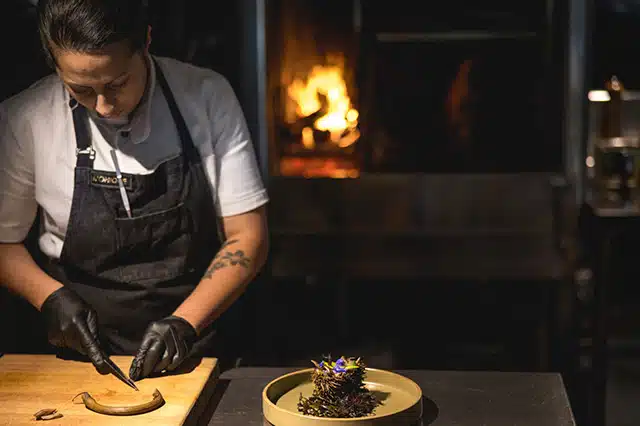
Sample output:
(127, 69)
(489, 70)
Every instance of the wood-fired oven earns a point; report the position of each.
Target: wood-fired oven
(393, 135)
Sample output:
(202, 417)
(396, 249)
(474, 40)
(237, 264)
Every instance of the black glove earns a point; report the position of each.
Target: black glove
(165, 344)
(73, 324)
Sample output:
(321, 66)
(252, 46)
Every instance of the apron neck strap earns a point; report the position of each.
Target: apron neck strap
(84, 151)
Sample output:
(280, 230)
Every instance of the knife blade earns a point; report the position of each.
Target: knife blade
(119, 374)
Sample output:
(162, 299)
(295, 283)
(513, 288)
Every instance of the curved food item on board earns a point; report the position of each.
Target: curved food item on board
(132, 410)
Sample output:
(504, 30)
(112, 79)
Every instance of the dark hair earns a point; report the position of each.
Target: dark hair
(90, 25)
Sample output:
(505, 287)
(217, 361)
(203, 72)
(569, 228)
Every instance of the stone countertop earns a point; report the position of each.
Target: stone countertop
(451, 398)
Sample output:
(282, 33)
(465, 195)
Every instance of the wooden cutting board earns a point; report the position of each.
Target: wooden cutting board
(29, 383)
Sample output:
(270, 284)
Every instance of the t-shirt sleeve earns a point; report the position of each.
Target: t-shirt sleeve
(18, 206)
(239, 184)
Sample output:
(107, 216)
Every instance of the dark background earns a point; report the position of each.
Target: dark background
(438, 258)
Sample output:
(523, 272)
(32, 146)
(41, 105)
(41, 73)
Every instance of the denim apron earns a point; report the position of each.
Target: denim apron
(134, 270)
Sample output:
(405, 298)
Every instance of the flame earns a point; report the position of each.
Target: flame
(457, 101)
(335, 168)
(325, 89)
(308, 140)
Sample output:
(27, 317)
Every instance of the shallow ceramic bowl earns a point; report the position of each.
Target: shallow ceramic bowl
(401, 398)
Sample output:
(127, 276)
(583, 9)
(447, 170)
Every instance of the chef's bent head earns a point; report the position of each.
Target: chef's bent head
(98, 48)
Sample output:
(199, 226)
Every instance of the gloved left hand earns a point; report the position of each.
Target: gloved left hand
(165, 345)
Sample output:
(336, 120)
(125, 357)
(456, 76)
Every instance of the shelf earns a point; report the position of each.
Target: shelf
(431, 37)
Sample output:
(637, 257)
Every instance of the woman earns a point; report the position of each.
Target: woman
(134, 161)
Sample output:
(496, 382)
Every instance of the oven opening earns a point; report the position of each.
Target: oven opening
(355, 88)
(316, 118)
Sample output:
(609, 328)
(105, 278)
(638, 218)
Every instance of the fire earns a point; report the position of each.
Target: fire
(325, 93)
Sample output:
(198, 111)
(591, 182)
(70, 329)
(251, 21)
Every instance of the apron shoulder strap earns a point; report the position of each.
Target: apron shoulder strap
(183, 132)
(84, 151)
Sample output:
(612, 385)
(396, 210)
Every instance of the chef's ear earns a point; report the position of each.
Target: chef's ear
(148, 37)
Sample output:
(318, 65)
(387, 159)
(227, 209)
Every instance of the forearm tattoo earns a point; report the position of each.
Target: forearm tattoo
(227, 257)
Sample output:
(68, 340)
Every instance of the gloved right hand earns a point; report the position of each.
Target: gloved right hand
(72, 323)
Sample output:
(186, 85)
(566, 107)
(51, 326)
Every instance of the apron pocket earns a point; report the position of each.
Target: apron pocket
(154, 237)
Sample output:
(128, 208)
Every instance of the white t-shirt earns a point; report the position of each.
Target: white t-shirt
(37, 148)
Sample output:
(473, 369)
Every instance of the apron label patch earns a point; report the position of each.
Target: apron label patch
(109, 180)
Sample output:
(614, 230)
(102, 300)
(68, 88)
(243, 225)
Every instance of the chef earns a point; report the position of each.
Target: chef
(143, 172)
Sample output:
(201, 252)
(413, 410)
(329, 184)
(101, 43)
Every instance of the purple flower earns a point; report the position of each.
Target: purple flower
(340, 366)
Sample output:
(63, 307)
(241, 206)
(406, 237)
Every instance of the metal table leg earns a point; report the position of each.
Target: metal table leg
(603, 277)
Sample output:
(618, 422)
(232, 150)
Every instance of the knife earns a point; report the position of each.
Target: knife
(119, 374)
(123, 191)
